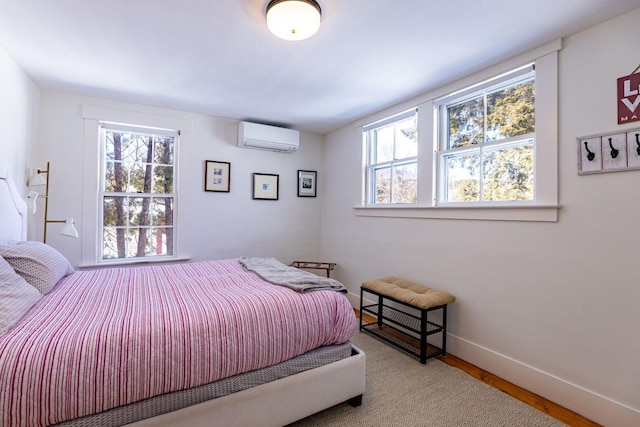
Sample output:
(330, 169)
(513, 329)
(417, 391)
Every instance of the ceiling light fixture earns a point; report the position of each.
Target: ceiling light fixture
(293, 19)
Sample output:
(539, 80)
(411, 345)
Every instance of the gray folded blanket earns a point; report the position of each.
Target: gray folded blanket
(273, 271)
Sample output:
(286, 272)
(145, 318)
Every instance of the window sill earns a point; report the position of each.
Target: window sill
(537, 213)
(133, 261)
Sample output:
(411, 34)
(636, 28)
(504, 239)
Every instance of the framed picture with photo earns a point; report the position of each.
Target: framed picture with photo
(307, 183)
(265, 186)
(217, 176)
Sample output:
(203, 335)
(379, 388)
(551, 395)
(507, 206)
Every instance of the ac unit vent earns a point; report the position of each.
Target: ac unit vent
(265, 137)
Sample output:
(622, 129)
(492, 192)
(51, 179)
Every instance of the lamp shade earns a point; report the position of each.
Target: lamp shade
(293, 19)
(68, 229)
(31, 201)
(36, 180)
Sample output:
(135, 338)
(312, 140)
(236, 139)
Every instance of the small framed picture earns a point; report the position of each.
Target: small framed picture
(307, 183)
(265, 186)
(217, 176)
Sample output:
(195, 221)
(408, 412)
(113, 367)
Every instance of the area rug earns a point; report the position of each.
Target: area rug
(401, 392)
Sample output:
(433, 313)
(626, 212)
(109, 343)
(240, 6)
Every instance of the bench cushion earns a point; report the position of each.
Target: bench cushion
(409, 292)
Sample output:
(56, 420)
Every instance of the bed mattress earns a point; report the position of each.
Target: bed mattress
(108, 338)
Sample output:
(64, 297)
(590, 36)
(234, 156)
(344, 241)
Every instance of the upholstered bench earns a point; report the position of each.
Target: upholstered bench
(404, 324)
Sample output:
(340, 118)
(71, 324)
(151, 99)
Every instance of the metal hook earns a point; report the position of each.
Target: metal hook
(591, 155)
(614, 152)
(638, 142)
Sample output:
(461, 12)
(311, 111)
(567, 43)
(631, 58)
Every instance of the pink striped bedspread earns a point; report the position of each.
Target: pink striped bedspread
(106, 338)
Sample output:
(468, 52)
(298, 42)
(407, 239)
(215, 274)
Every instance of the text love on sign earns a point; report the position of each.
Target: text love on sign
(629, 99)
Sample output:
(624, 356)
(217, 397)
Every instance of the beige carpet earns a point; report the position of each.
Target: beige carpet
(401, 392)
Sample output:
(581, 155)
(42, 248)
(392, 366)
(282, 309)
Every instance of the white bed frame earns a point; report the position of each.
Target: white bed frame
(13, 210)
(274, 404)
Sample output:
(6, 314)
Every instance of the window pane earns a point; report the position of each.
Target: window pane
(163, 179)
(114, 209)
(142, 242)
(405, 180)
(134, 239)
(109, 149)
(163, 151)
(466, 123)
(511, 111)
(117, 145)
(116, 177)
(406, 138)
(110, 243)
(115, 243)
(508, 173)
(126, 150)
(140, 178)
(462, 177)
(158, 241)
(110, 176)
(382, 185)
(392, 165)
(138, 148)
(383, 144)
(163, 240)
(139, 210)
(162, 211)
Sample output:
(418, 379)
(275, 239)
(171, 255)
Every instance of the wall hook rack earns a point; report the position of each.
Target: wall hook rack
(609, 152)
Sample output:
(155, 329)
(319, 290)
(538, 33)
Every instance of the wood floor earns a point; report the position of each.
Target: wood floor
(540, 403)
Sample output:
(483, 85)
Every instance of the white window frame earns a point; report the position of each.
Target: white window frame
(146, 131)
(514, 77)
(544, 208)
(371, 165)
(90, 227)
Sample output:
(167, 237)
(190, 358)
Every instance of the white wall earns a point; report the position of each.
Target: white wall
(216, 225)
(549, 306)
(552, 307)
(18, 120)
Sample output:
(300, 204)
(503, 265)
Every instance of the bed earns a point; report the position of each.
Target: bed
(205, 343)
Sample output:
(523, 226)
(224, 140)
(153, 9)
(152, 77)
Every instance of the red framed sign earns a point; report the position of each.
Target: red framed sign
(629, 99)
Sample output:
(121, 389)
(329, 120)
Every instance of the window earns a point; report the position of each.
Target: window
(391, 152)
(485, 147)
(137, 191)
(486, 141)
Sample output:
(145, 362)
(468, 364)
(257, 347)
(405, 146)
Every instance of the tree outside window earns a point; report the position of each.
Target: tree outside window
(138, 193)
(392, 160)
(488, 147)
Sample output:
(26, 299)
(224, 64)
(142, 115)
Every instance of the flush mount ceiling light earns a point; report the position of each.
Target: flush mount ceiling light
(293, 19)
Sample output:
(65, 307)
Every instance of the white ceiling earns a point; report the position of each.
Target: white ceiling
(216, 57)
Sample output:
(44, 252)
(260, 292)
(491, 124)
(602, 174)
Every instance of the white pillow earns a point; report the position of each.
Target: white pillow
(16, 297)
(40, 265)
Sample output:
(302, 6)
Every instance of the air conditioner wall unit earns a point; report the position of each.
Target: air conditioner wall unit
(265, 137)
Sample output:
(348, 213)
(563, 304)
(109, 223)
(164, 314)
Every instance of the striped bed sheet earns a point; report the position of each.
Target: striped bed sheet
(107, 338)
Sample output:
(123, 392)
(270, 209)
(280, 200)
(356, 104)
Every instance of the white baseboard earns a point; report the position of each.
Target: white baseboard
(354, 299)
(587, 403)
